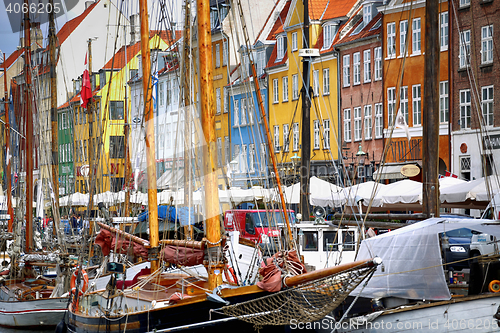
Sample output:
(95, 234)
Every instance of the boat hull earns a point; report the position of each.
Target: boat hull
(47, 313)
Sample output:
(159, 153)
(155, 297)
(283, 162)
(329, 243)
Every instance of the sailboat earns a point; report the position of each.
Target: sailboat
(163, 301)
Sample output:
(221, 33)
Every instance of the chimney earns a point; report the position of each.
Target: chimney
(88, 4)
(134, 29)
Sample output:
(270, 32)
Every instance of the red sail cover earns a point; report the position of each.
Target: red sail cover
(185, 256)
(271, 270)
(107, 241)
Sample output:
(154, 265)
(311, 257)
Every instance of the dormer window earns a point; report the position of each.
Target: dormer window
(214, 18)
(367, 14)
(281, 44)
(328, 34)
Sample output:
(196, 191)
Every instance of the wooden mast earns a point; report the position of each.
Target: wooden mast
(126, 133)
(29, 132)
(10, 211)
(150, 136)
(212, 210)
(90, 117)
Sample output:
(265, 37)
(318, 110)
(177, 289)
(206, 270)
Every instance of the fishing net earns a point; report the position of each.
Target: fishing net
(304, 303)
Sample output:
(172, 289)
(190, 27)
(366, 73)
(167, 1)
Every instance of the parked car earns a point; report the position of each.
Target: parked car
(455, 248)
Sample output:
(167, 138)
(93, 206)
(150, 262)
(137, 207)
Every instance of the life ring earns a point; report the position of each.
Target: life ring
(85, 278)
(231, 278)
(494, 286)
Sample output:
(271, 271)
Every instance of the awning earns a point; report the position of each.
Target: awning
(391, 171)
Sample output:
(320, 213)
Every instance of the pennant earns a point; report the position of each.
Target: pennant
(86, 92)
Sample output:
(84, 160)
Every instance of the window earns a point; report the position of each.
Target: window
(217, 55)
(217, 100)
(236, 158)
(244, 161)
(416, 32)
(276, 138)
(316, 134)
(367, 68)
(310, 241)
(286, 137)
(219, 152)
(161, 96)
(465, 111)
(116, 110)
(116, 147)
(226, 99)
(236, 112)
(391, 103)
(443, 102)
(348, 240)
(226, 150)
(347, 125)
(378, 63)
(379, 120)
(487, 44)
(330, 242)
(294, 41)
(346, 70)
(316, 82)
(326, 81)
(464, 48)
(417, 104)
(243, 111)
(443, 30)
(168, 136)
(295, 86)
(261, 62)
(64, 120)
(487, 105)
(367, 13)
(262, 157)
(465, 167)
(281, 44)
(169, 92)
(276, 91)
(251, 157)
(328, 34)
(357, 123)
(285, 88)
(296, 136)
(403, 103)
(391, 40)
(224, 53)
(356, 68)
(403, 30)
(464, 3)
(326, 134)
(368, 122)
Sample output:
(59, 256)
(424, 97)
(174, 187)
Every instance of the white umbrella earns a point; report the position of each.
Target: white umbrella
(474, 190)
(403, 191)
(74, 199)
(364, 191)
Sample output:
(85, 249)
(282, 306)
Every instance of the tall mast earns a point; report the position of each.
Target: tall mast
(306, 124)
(29, 132)
(90, 117)
(150, 134)
(430, 136)
(53, 113)
(126, 131)
(10, 211)
(212, 210)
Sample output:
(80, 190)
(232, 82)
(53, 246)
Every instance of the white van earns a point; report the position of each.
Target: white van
(485, 244)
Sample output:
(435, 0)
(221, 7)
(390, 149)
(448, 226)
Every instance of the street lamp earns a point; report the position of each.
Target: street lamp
(360, 156)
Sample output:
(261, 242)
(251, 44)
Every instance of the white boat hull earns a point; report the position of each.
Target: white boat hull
(46, 312)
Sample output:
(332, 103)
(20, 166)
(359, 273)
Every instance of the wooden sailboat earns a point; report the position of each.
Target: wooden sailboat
(175, 302)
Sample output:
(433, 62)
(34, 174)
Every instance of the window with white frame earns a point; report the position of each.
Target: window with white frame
(403, 30)
(218, 100)
(356, 68)
(285, 88)
(368, 122)
(250, 110)
(217, 55)
(224, 53)
(444, 102)
(367, 66)
(226, 99)
(403, 102)
(416, 95)
(326, 134)
(465, 167)
(378, 63)
(464, 3)
(294, 41)
(244, 158)
(295, 86)
(326, 81)
(464, 53)
(286, 137)
(487, 105)
(465, 109)
(219, 152)
(328, 34)
(367, 13)
(391, 40)
(226, 150)
(391, 104)
(416, 36)
(357, 123)
(487, 44)
(379, 120)
(276, 91)
(316, 134)
(262, 157)
(276, 138)
(296, 136)
(443, 30)
(236, 112)
(346, 70)
(347, 125)
(236, 158)
(281, 45)
(251, 157)
(261, 62)
(168, 140)
(316, 82)
(243, 111)
(161, 94)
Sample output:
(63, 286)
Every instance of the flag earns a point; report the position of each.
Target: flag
(449, 174)
(401, 123)
(86, 92)
(154, 87)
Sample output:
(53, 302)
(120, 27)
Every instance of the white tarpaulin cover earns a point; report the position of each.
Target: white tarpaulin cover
(411, 259)
(475, 190)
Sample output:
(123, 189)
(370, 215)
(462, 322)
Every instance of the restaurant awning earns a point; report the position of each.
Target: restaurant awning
(392, 171)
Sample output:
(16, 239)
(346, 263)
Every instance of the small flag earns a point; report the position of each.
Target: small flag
(401, 123)
(86, 92)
